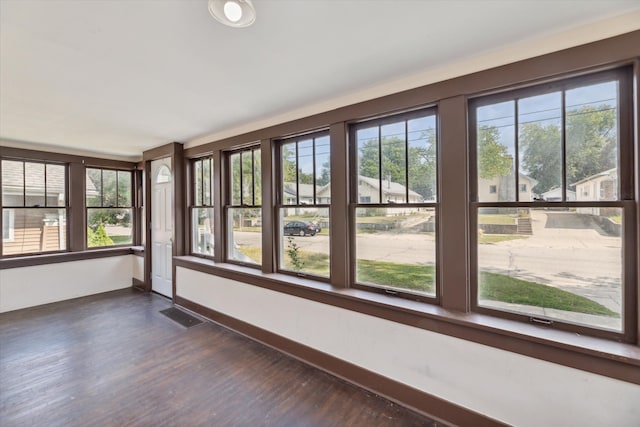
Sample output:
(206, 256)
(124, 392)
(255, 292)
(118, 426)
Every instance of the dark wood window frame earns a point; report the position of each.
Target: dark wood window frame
(130, 206)
(37, 206)
(229, 203)
(194, 198)
(356, 202)
(280, 203)
(76, 219)
(453, 316)
(625, 201)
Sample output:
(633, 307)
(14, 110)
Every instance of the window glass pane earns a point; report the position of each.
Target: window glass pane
(323, 169)
(202, 232)
(108, 227)
(289, 176)
(577, 278)
(206, 182)
(36, 230)
(109, 188)
(304, 240)
(247, 178)
(422, 159)
(236, 198)
(305, 167)
(394, 162)
(257, 177)
(396, 248)
(368, 165)
(540, 146)
(94, 187)
(34, 184)
(12, 183)
(592, 141)
(245, 235)
(8, 226)
(124, 189)
(197, 172)
(56, 185)
(496, 152)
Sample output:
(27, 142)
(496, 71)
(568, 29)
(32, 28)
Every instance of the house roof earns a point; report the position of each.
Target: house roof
(609, 172)
(306, 190)
(388, 187)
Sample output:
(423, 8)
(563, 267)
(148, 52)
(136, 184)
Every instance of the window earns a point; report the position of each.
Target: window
(395, 194)
(559, 261)
(244, 214)
(493, 189)
(305, 195)
(34, 207)
(202, 207)
(109, 207)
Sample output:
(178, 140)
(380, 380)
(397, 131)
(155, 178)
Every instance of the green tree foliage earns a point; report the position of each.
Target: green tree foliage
(99, 237)
(393, 158)
(590, 146)
(493, 158)
(542, 154)
(251, 173)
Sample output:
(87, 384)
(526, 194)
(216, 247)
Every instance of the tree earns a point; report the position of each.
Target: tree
(542, 155)
(98, 237)
(591, 144)
(393, 159)
(493, 158)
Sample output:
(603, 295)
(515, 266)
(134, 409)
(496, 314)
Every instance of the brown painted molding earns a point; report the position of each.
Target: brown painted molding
(24, 154)
(414, 399)
(138, 284)
(600, 356)
(44, 259)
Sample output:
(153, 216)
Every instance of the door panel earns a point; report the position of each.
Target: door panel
(162, 227)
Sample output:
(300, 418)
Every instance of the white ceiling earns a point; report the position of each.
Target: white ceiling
(118, 77)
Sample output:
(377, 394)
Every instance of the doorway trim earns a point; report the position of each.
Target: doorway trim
(175, 151)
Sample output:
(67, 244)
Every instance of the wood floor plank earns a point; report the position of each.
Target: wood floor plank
(114, 360)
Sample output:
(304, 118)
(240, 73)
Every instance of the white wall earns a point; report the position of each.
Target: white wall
(30, 286)
(515, 389)
(138, 267)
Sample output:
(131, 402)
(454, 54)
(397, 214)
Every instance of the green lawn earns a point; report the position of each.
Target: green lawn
(498, 287)
(121, 240)
(495, 287)
(496, 219)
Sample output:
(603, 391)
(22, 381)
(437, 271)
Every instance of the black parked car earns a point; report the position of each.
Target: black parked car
(300, 228)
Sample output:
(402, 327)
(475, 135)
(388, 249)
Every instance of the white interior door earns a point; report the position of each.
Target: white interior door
(161, 227)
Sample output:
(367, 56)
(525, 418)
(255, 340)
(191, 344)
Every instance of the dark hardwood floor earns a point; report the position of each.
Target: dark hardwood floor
(113, 360)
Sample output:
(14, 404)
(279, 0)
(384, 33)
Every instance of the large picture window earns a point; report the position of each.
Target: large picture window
(304, 199)
(202, 207)
(34, 207)
(109, 207)
(244, 213)
(552, 251)
(394, 191)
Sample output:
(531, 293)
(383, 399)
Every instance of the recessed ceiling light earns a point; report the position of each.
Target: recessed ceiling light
(234, 13)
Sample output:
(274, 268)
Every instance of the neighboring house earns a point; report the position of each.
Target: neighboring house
(26, 230)
(555, 195)
(602, 186)
(305, 196)
(369, 192)
(502, 188)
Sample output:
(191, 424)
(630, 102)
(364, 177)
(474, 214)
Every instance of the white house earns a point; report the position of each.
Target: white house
(502, 188)
(602, 186)
(555, 195)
